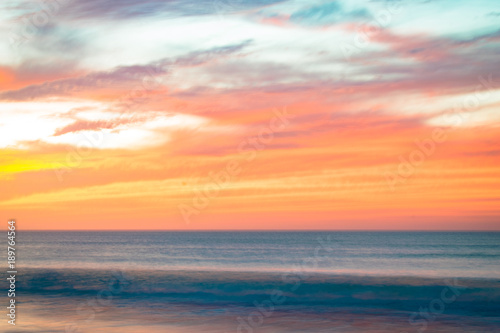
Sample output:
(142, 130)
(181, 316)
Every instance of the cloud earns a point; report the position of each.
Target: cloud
(494, 14)
(84, 125)
(135, 9)
(122, 77)
(327, 14)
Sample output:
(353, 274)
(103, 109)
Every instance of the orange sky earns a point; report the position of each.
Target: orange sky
(273, 127)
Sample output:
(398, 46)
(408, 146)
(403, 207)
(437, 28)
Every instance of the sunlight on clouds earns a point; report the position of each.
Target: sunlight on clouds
(31, 121)
(39, 121)
(136, 134)
(468, 110)
(17, 166)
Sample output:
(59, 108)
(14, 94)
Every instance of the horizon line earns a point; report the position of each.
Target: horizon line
(261, 230)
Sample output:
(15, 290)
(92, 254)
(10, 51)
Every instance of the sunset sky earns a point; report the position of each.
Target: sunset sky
(238, 114)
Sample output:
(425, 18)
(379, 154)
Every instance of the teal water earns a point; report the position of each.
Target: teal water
(246, 282)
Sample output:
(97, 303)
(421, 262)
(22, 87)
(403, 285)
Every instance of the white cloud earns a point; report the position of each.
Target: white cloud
(30, 121)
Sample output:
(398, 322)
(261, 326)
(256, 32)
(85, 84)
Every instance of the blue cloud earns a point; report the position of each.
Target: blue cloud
(328, 13)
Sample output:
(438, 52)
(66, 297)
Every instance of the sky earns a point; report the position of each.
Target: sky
(238, 114)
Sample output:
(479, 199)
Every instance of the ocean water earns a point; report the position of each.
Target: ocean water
(258, 282)
(425, 254)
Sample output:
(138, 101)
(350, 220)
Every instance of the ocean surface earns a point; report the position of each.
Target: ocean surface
(257, 282)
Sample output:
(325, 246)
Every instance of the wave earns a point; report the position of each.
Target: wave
(319, 291)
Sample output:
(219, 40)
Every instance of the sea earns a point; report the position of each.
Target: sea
(249, 281)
